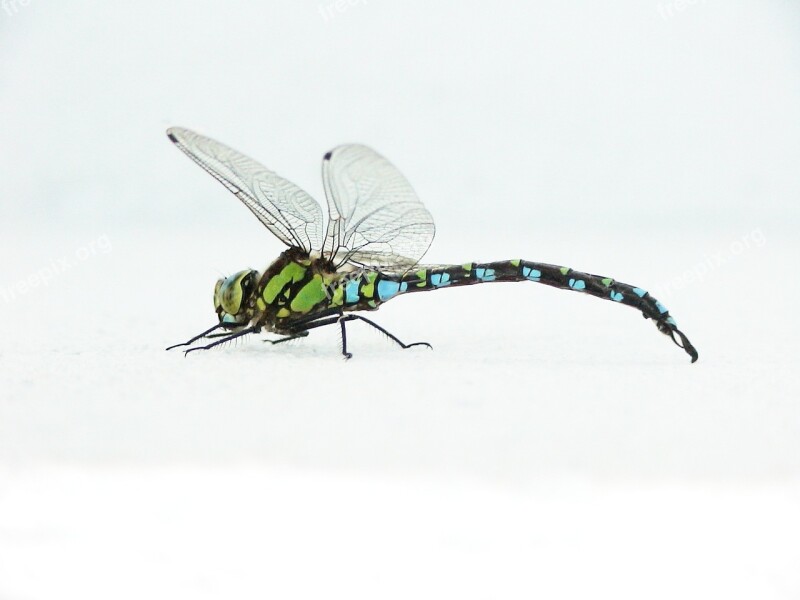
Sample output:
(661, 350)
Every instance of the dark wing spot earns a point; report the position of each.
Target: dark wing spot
(328, 155)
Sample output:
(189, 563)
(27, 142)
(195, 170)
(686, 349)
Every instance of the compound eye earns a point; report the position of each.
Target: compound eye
(231, 297)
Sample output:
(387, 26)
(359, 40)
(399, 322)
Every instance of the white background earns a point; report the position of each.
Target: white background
(551, 444)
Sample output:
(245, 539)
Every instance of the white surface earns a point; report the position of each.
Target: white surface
(266, 532)
(550, 444)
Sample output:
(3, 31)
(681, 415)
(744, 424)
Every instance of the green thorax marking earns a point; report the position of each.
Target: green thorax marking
(291, 273)
(311, 294)
(294, 285)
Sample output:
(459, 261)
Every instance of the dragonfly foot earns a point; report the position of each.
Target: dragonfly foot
(186, 352)
(227, 338)
(197, 337)
(406, 346)
(347, 355)
(394, 338)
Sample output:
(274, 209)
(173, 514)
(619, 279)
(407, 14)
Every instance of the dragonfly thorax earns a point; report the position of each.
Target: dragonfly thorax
(234, 298)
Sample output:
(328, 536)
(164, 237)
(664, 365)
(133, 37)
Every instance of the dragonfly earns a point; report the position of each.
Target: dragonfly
(377, 232)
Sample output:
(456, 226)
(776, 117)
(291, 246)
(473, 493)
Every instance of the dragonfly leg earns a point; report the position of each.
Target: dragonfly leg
(197, 337)
(304, 327)
(342, 320)
(301, 329)
(233, 336)
(389, 335)
(294, 336)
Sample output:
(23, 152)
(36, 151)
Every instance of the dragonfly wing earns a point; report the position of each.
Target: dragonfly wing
(376, 218)
(285, 209)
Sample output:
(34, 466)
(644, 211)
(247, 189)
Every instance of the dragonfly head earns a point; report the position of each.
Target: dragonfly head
(234, 298)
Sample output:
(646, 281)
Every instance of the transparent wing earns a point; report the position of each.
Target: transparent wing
(376, 218)
(286, 210)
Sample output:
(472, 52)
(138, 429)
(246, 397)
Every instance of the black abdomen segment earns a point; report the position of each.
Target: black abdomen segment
(427, 278)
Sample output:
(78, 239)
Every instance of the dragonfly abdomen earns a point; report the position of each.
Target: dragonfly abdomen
(428, 278)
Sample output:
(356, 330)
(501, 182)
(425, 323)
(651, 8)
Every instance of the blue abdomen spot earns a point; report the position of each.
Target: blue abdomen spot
(577, 284)
(387, 289)
(440, 279)
(351, 291)
(616, 296)
(671, 321)
(639, 292)
(661, 308)
(485, 274)
(532, 274)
